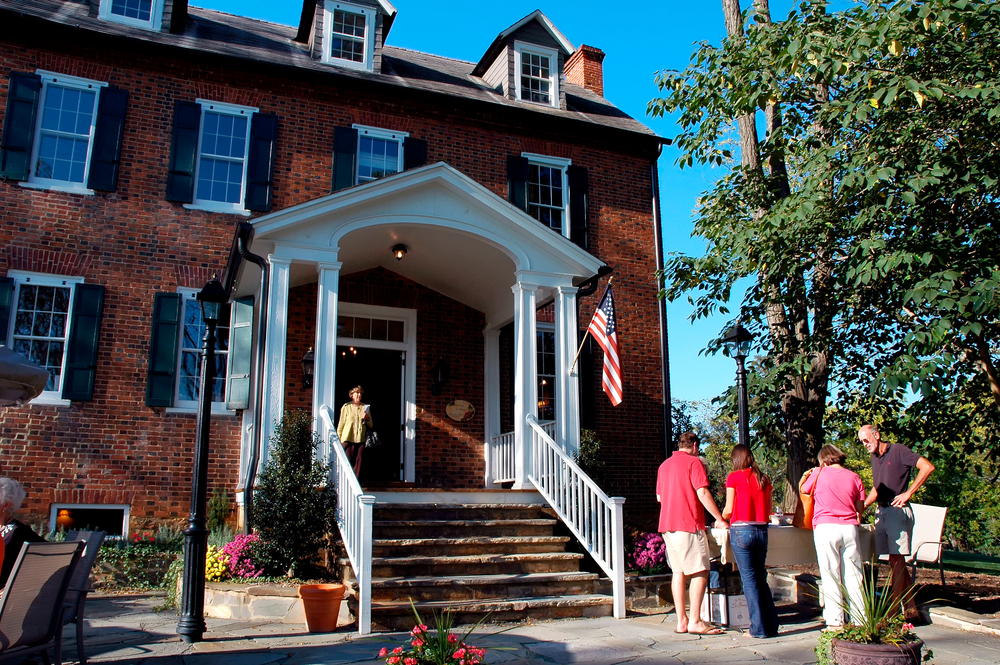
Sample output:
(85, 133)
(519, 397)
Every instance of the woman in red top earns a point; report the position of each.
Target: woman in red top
(748, 509)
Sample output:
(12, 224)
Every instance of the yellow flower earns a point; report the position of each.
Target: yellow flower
(873, 102)
(216, 564)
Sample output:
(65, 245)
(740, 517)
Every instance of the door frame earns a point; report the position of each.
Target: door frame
(409, 347)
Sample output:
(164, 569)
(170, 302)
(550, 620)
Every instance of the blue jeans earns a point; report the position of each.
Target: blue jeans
(749, 544)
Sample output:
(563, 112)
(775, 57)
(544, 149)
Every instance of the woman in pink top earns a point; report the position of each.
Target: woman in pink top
(838, 499)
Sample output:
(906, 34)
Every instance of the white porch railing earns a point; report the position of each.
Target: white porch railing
(593, 517)
(354, 518)
(502, 454)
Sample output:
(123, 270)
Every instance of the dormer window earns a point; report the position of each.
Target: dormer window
(145, 14)
(348, 35)
(537, 78)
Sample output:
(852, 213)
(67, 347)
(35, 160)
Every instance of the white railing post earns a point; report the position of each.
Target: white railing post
(367, 506)
(618, 554)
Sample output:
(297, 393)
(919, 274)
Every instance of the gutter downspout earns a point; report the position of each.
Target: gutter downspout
(662, 311)
(239, 253)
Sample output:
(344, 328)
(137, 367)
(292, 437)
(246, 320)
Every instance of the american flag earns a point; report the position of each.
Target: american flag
(602, 327)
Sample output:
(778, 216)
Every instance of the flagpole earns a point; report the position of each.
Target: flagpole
(584, 340)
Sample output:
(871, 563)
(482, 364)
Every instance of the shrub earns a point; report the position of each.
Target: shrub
(588, 457)
(241, 556)
(216, 564)
(293, 508)
(218, 510)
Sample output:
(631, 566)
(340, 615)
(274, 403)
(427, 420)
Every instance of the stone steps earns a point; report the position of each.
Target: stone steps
(459, 546)
(480, 587)
(395, 616)
(495, 562)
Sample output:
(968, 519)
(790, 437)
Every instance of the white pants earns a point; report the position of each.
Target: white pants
(839, 560)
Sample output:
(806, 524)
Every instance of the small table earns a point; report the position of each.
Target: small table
(786, 545)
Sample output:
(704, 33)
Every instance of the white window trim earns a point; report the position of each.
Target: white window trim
(33, 181)
(155, 22)
(546, 327)
(48, 397)
(218, 408)
(559, 163)
(218, 206)
(56, 507)
(378, 133)
(369, 51)
(553, 56)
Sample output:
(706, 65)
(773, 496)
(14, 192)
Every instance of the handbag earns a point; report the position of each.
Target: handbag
(371, 439)
(803, 518)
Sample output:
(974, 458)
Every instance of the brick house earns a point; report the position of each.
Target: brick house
(438, 231)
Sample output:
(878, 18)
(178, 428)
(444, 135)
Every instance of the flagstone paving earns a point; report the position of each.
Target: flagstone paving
(127, 629)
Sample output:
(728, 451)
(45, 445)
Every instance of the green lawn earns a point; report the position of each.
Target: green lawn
(971, 563)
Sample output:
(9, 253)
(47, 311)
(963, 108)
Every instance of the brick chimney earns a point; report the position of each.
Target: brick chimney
(585, 68)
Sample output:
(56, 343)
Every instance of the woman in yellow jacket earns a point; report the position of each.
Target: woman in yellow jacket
(354, 418)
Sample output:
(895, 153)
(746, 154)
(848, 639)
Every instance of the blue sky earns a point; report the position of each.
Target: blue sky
(639, 40)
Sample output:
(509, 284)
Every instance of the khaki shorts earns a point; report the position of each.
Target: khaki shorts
(687, 552)
(893, 530)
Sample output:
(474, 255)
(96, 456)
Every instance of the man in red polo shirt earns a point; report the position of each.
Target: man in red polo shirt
(682, 490)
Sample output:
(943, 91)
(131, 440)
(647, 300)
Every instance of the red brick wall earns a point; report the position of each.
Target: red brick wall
(136, 243)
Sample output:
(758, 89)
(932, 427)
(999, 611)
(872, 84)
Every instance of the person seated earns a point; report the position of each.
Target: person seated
(14, 533)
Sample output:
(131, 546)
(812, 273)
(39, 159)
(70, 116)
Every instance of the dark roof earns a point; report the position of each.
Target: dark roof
(250, 39)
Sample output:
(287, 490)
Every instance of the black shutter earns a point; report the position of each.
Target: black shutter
(414, 153)
(81, 345)
(517, 181)
(168, 308)
(6, 307)
(240, 354)
(260, 162)
(183, 152)
(19, 125)
(579, 230)
(345, 151)
(108, 137)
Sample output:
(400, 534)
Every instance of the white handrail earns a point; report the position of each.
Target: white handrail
(501, 455)
(354, 518)
(591, 515)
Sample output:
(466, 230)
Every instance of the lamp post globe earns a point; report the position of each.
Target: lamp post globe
(191, 626)
(737, 340)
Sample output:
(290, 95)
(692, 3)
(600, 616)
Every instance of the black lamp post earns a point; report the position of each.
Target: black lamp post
(191, 626)
(738, 340)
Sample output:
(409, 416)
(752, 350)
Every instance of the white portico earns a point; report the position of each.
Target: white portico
(463, 241)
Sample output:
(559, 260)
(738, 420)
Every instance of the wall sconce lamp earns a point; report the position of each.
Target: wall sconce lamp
(441, 373)
(399, 251)
(307, 368)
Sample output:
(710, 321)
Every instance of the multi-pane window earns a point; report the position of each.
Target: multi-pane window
(379, 153)
(546, 202)
(546, 373)
(137, 13)
(347, 39)
(65, 130)
(536, 78)
(189, 361)
(363, 327)
(347, 35)
(222, 155)
(140, 10)
(41, 323)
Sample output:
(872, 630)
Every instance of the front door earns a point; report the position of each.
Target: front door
(380, 373)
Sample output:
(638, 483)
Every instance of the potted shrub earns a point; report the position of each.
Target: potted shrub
(880, 636)
(293, 512)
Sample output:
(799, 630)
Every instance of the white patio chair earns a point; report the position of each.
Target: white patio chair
(926, 545)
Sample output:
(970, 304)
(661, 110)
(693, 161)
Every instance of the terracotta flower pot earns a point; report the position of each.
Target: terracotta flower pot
(321, 603)
(853, 653)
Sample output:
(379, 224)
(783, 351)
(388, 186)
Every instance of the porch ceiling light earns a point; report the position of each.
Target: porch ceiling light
(399, 251)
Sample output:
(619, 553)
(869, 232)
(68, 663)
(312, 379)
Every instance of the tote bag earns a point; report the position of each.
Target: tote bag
(803, 518)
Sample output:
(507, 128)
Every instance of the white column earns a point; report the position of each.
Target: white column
(274, 354)
(567, 385)
(325, 348)
(491, 395)
(525, 374)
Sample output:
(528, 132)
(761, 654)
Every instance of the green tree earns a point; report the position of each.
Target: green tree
(294, 502)
(865, 215)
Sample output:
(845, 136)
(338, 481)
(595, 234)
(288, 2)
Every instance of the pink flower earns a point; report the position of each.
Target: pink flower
(409, 661)
(459, 654)
(452, 638)
(907, 626)
(392, 660)
(417, 643)
(383, 653)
